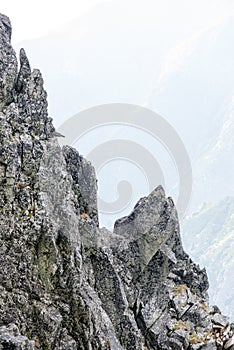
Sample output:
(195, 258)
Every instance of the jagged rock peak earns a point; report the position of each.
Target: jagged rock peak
(25, 71)
(5, 27)
(151, 224)
(8, 63)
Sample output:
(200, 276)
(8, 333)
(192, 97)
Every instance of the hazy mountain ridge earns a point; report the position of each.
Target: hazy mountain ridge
(201, 94)
(195, 93)
(213, 225)
(195, 85)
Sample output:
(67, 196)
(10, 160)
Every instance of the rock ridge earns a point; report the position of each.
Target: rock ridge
(67, 284)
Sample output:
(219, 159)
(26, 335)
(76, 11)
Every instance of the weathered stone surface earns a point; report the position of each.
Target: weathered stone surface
(24, 73)
(8, 63)
(64, 282)
(10, 338)
(84, 182)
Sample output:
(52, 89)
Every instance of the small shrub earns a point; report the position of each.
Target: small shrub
(180, 324)
(180, 289)
(194, 339)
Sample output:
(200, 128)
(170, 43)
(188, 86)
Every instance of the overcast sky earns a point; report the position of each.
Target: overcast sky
(33, 19)
(37, 18)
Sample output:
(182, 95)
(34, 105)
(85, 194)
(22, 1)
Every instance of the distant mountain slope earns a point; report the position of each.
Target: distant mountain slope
(195, 93)
(196, 83)
(214, 169)
(209, 238)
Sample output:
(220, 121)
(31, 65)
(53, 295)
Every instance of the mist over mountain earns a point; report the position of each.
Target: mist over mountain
(195, 92)
(114, 53)
(213, 225)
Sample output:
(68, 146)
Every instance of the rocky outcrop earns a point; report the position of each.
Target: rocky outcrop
(8, 64)
(64, 282)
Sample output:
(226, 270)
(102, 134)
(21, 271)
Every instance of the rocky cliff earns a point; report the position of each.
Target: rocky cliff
(64, 282)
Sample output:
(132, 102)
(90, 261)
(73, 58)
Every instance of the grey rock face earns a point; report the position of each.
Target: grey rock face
(64, 282)
(8, 63)
(84, 182)
(24, 73)
(10, 338)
